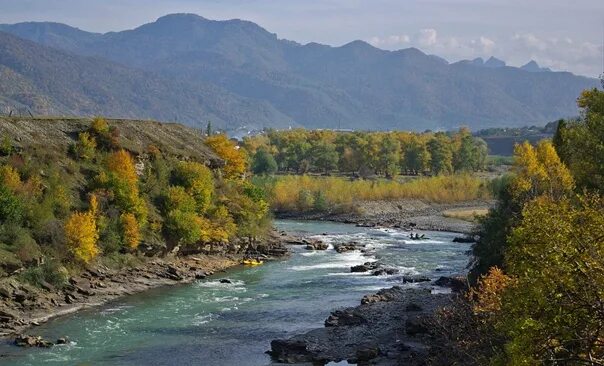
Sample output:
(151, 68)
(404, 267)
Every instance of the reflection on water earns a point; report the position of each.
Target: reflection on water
(212, 323)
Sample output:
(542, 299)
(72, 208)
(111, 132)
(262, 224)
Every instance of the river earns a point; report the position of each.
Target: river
(212, 323)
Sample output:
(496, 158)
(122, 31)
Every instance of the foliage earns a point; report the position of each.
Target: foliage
(235, 158)
(82, 235)
(197, 180)
(581, 143)
(86, 146)
(130, 230)
(293, 193)
(263, 162)
(382, 153)
(556, 253)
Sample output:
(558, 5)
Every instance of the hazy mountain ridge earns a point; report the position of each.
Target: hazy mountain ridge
(353, 86)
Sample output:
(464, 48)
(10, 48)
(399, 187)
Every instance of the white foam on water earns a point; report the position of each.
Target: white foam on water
(234, 285)
(202, 319)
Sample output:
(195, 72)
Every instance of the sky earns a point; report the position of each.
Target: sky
(561, 34)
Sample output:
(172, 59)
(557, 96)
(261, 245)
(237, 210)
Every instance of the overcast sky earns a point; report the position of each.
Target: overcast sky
(561, 34)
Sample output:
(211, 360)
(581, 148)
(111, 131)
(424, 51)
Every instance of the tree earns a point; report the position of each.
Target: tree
(263, 162)
(581, 143)
(11, 207)
(123, 181)
(130, 230)
(441, 155)
(389, 156)
(209, 129)
(539, 171)
(234, 157)
(324, 156)
(554, 314)
(86, 146)
(416, 156)
(10, 178)
(81, 236)
(197, 180)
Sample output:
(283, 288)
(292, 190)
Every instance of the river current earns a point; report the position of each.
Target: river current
(211, 323)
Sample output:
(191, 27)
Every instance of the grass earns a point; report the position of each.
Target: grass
(306, 193)
(469, 214)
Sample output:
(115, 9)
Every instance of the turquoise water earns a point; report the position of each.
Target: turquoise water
(209, 323)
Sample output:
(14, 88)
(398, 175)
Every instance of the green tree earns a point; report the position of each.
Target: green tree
(263, 162)
(441, 161)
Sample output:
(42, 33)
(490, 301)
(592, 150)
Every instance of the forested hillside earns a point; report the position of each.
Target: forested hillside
(75, 192)
(240, 74)
(538, 264)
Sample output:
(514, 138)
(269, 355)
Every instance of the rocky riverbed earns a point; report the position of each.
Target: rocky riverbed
(23, 306)
(405, 214)
(387, 328)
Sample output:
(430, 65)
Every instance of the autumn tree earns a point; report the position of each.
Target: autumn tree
(81, 236)
(552, 315)
(234, 157)
(197, 180)
(123, 181)
(130, 230)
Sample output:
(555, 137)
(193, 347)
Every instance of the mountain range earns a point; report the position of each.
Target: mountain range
(186, 68)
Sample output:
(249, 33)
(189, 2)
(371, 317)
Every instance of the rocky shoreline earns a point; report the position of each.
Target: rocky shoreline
(387, 328)
(403, 214)
(23, 306)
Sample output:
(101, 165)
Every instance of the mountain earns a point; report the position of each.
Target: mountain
(352, 86)
(48, 81)
(533, 66)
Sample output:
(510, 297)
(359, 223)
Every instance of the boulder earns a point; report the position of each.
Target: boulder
(347, 317)
(454, 283)
(365, 354)
(385, 271)
(415, 279)
(291, 351)
(414, 326)
(411, 307)
(365, 267)
(381, 296)
(346, 247)
(63, 340)
(31, 341)
(225, 280)
(464, 239)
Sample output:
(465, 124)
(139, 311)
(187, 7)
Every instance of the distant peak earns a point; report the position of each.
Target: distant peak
(494, 62)
(358, 44)
(533, 66)
(181, 17)
(478, 61)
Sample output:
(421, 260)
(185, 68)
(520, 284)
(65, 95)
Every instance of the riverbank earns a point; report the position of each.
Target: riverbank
(387, 328)
(23, 306)
(409, 214)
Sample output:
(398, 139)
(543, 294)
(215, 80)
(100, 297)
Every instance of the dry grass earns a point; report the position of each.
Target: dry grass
(342, 192)
(467, 214)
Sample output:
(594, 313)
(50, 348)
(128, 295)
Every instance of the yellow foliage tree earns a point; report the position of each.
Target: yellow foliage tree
(539, 171)
(122, 165)
(82, 235)
(10, 178)
(198, 181)
(236, 162)
(99, 125)
(86, 146)
(130, 230)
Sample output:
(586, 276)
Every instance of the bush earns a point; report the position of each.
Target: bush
(51, 272)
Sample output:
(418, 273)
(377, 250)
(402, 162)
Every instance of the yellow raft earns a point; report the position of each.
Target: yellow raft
(252, 262)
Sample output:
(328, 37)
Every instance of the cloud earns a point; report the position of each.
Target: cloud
(427, 37)
(558, 53)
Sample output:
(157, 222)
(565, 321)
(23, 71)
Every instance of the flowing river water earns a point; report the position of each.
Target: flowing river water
(211, 323)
